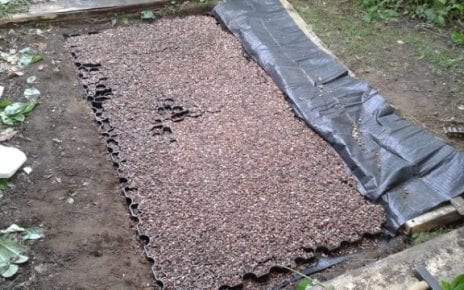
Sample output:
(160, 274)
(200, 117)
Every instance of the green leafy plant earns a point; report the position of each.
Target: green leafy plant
(124, 20)
(8, 7)
(147, 15)
(439, 12)
(376, 9)
(23, 57)
(3, 184)
(456, 284)
(457, 37)
(15, 112)
(12, 252)
(307, 282)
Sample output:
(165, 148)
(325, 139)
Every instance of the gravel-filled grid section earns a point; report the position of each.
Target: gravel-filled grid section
(228, 181)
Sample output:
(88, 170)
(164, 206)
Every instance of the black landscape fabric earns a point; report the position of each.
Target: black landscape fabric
(404, 167)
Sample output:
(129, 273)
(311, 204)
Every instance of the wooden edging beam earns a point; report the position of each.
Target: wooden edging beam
(75, 9)
(440, 216)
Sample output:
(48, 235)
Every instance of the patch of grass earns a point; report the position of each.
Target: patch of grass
(441, 56)
(384, 46)
(9, 7)
(421, 237)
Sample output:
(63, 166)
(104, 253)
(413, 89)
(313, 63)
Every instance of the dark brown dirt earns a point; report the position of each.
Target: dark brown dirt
(89, 244)
(229, 182)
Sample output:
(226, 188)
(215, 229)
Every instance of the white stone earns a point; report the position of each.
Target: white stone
(11, 159)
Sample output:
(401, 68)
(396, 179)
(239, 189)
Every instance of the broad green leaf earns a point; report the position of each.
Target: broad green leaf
(14, 108)
(37, 58)
(21, 259)
(8, 270)
(18, 117)
(458, 283)
(16, 112)
(33, 233)
(25, 59)
(25, 50)
(147, 15)
(11, 251)
(31, 93)
(13, 228)
(29, 107)
(6, 120)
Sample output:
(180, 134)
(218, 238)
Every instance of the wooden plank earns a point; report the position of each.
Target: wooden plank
(458, 203)
(63, 8)
(438, 217)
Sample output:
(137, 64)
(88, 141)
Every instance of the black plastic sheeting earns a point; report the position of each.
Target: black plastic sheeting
(406, 168)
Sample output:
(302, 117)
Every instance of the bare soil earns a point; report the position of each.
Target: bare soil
(89, 243)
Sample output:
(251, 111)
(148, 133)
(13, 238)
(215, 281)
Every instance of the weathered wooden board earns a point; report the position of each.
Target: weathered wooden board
(61, 8)
(438, 217)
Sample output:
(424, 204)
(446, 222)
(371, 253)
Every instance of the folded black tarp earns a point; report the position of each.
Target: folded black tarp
(406, 168)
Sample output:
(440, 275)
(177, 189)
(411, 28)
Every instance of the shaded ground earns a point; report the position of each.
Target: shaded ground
(89, 242)
(414, 65)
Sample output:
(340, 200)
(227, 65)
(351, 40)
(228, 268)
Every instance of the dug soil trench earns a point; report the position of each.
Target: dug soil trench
(227, 181)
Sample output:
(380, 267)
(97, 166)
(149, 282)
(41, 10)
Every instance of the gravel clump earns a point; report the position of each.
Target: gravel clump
(228, 181)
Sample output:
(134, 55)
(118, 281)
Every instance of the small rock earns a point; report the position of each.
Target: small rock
(41, 268)
(70, 200)
(12, 159)
(27, 169)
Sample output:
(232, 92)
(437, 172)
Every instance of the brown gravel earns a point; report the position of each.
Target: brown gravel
(229, 182)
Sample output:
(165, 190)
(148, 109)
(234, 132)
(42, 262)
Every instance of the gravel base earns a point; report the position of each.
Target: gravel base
(228, 181)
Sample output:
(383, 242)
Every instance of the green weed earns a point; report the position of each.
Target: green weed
(421, 237)
(456, 284)
(9, 7)
(438, 12)
(375, 45)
